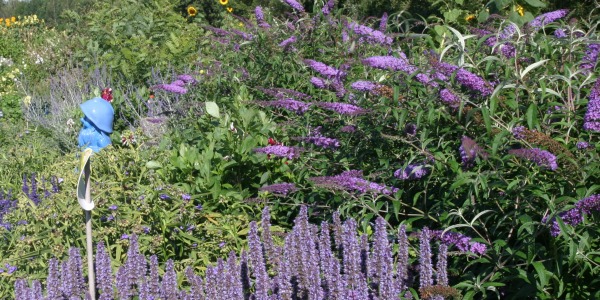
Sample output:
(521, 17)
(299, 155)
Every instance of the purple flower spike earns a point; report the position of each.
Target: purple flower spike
(172, 88)
(343, 108)
(412, 172)
(364, 85)
(575, 215)
(296, 106)
(547, 18)
(390, 63)
(540, 157)
(260, 18)
(295, 5)
(279, 188)
(280, 150)
(591, 118)
(325, 70)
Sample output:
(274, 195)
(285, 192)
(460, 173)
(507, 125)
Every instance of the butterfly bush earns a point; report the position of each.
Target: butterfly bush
(590, 58)
(575, 215)
(449, 98)
(328, 7)
(469, 150)
(325, 70)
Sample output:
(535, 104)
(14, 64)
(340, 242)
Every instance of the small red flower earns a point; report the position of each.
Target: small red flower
(107, 94)
(273, 142)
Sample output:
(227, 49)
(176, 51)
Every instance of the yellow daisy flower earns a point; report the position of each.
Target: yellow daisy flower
(223, 2)
(470, 18)
(192, 11)
(230, 9)
(520, 10)
(13, 19)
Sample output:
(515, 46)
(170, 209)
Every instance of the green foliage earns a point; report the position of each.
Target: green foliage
(132, 37)
(190, 187)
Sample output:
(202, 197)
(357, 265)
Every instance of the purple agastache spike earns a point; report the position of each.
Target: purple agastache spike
(591, 119)
(267, 237)
(351, 257)
(381, 266)
(425, 263)
(25, 187)
(53, 281)
(259, 269)
(402, 266)
(169, 288)
(104, 275)
(442, 266)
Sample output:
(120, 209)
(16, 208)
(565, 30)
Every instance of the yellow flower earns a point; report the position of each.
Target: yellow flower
(223, 2)
(241, 24)
(1, 20)
(7, 23)
(520, 10)
(470, 18)
(230, 9)
(192, 11)
(13, 19)
(27, 100)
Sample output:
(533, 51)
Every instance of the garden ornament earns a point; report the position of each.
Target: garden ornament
(97, 126)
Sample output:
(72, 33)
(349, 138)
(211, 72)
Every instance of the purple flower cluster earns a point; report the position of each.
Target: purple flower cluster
(383, 22)
(560, 33)
(279, 188)
(260, 18)
(412, 172)
(280, 151)
(591, 118)
(287, 43)
(328, 7)
(588, 62)
(343, 108)
(469, 150)
(310, 265)
(508, 31)
(282, 93)
(295, 5)
(508, 50)
(547, 18)
(364, 85)
(583, 145)
(390, 63)
(370, 35)
(462, 242)
(352, 181)
(296, 106)
(323, 142)
(473, 82)
(7, 203)
(540, 157)
(348, 129)
(449, 98)
(575, 215)
(519, 132)
(325, 70)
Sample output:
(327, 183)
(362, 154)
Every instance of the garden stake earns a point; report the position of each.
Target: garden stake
(97, 126)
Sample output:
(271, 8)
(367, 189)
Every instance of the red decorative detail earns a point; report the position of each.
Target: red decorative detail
(107, 94)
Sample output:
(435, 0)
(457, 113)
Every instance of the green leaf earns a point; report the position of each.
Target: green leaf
(532, 116)
(541, 272)
(153, 165)
(536, 3)
(212, 109)
(452, 15)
